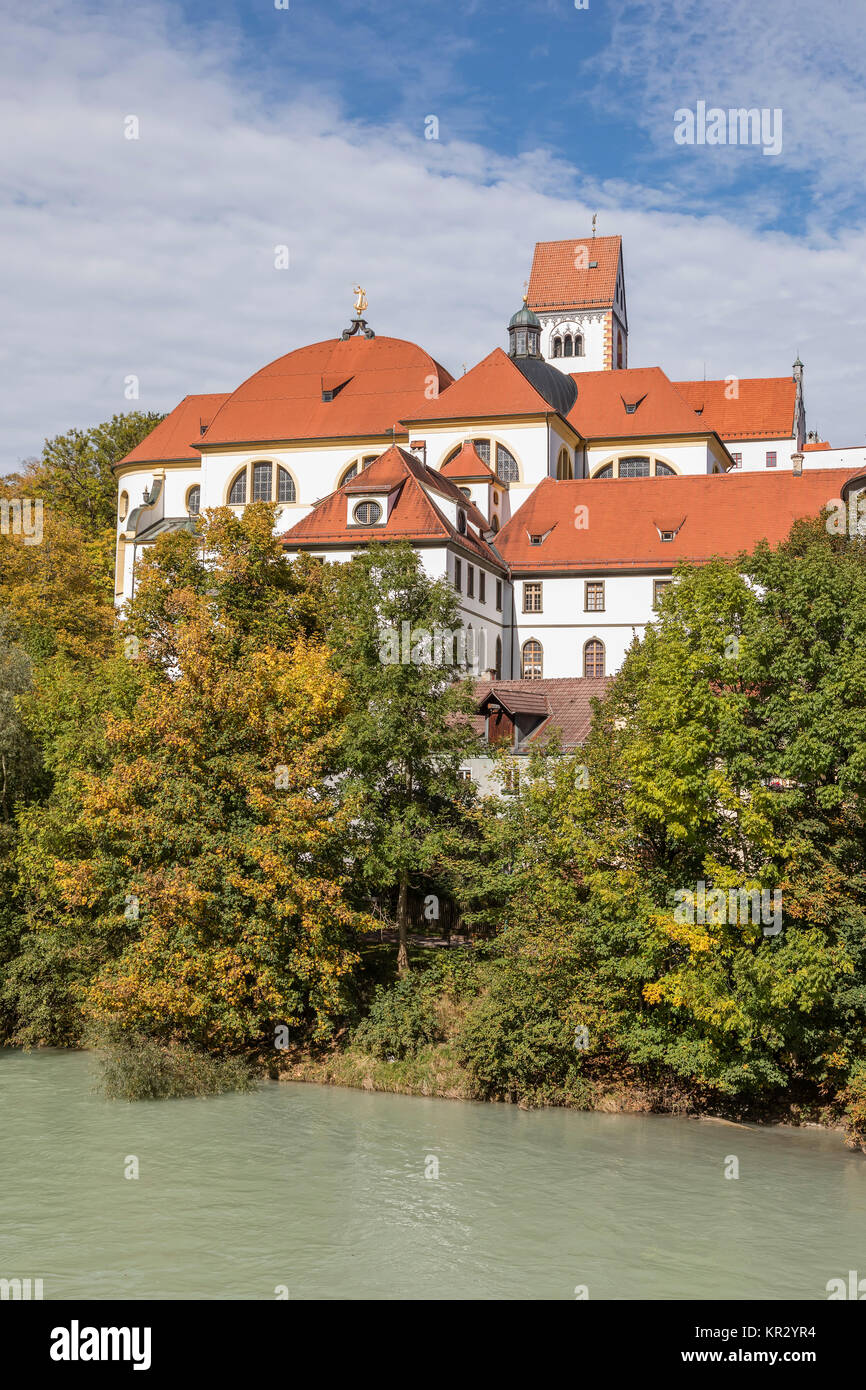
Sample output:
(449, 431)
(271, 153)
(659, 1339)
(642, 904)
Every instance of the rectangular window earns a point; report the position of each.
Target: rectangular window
(593, 596)
(482, 586)
(511, 781)
(738, 459)
(458, 576)
(532, 598)
(464, 774)
(470, 581)
(659, 586)
(771, 458)
(499, 595)
(261, 482)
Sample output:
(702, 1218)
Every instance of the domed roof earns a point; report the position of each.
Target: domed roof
(524, 318)
(559, 390)
(336, 389)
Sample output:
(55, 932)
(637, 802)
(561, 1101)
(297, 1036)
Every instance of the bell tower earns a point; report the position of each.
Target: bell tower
(577, 292)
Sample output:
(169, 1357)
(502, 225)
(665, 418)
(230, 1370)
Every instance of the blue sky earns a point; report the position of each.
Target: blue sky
(305, 127)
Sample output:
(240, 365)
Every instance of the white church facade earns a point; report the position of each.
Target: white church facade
(553, 485)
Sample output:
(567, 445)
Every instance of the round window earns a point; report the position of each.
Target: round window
(367, 513)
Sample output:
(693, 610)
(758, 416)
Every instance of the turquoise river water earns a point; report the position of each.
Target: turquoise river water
(321, 1192)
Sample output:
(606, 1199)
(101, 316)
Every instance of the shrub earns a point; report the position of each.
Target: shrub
(401, 1020)
(854, 1097)
(135, 1067)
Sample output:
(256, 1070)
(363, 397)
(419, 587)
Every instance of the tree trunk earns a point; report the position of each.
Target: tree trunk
(402, 924)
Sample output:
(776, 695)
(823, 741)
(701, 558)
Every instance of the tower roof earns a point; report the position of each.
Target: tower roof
(576, 274)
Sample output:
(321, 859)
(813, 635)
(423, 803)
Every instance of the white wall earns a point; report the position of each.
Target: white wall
(564, 626)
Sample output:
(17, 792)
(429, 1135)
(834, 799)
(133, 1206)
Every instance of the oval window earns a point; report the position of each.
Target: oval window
(367, 513)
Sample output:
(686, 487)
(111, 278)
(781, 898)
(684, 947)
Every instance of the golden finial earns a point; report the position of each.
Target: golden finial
(360, 302)
(594, 220)
(525, 290)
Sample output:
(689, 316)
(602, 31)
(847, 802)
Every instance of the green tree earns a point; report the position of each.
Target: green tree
(408, 728)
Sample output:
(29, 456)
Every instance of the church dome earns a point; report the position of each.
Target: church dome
(341, 388)
(559, 390)
(524, 318)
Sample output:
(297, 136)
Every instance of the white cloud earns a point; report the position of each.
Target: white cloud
(156, 257)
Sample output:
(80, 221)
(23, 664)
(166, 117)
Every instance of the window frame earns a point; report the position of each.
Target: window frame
(593, 584)
(526, 661)
(594, 642)
(533, 589)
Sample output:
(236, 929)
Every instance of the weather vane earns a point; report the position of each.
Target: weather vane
(525, 290)
(360, 302)
(594, 220)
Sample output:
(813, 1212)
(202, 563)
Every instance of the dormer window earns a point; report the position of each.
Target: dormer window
(667, 535)
(367, 513)
(535, 539)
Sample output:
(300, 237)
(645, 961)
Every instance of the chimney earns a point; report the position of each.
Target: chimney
(797, 464)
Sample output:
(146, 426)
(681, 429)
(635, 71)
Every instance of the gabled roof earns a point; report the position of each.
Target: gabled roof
(764, 407)
(468, 465)
(712, 514)
(494, 386)
(172, 439)
(376, 383)
(411, 515)
(565, 704)
(602, 397)
(555, 282)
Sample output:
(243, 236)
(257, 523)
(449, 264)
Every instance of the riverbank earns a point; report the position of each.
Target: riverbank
(435, 1072)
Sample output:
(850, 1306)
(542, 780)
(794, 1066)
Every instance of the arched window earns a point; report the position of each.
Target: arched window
(663, 471)
(367, 513)
(557, 347)
(494, 524)
(567, 348)
(497, 670)
(123, 506)
(578, 345)
(238, 493)
(193, 500)
(606, 472)
(356, 466)
(593, 658)
(506, 465)
(531, 661)
(634, 468)
(461, 522)
(285, 486)
(262, 482)
(563, 464)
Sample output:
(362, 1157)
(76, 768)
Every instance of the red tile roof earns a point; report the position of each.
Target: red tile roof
(713, 514)
(172, 439)
(555, 282)
(566, 703)
(468, 464)
(413, 514)
(821, 444)
(494, 386)
(763, 409)
(378, 382)
(600, 409)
